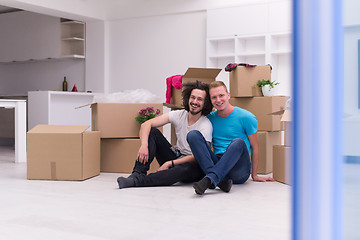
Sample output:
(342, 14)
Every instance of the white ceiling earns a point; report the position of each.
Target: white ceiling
(119, 9)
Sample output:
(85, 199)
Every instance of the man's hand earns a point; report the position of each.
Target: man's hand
(256, 178)
(143, 154)
(165, 166)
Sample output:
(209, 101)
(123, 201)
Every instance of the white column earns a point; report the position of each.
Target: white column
(318, 111)
(20, 131)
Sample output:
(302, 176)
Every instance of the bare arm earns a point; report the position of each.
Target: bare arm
(168, 164)
(254, 143)
(145, 128)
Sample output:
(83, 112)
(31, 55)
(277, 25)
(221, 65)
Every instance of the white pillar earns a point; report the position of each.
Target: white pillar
(318, 111)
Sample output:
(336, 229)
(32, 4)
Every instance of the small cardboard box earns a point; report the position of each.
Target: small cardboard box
(262, 108)
(266, 142)
(119, 155)
(117, 120)
(282, 164)
(58, 152)
(204, 75)
(286, 118)
(243, 80)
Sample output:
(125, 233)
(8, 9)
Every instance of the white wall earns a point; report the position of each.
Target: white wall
(145, 51)
(19, 78)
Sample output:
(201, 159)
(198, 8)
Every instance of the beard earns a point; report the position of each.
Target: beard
(194, 112)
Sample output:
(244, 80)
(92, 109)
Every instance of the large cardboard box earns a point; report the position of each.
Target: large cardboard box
(243, 80)
(57, 152)
(117, 120)
(262, 108)
(266, 142)
(119, 155)
(282, 164)
(205, 75)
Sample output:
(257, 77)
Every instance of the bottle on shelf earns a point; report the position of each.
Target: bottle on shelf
(64, 85)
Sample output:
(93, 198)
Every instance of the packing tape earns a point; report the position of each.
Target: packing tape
(53, 170)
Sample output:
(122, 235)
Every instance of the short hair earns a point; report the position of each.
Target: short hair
(216, 84)
(186, 92)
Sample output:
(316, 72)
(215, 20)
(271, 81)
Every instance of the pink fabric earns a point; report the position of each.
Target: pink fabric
(176, 82)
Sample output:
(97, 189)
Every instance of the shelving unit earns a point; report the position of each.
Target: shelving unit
(72, 39)
(261, 49)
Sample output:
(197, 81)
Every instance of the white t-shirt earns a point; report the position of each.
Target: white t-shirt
(179, 118)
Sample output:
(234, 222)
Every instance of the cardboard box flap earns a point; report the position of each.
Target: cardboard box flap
(286, 117)
(59, 129)
(202, 73)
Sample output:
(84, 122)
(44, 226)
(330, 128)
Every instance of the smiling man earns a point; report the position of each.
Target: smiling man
(176, 162)
(234, 141)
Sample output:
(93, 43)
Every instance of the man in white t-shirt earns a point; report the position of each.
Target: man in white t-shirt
(177, 164)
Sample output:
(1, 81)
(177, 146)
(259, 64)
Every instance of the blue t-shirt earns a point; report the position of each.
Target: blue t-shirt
(239, 124)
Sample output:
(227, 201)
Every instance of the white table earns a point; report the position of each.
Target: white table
(20, 126)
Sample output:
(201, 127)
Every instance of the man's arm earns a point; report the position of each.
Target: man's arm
(145, 128)
(169, 164)
(254, 143)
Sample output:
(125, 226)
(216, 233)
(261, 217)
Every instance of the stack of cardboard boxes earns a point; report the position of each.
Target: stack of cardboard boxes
(119, 130)
(246, 95)
(64, 152)
(282, 153)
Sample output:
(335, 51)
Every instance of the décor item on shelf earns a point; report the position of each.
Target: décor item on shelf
(146, 114)
(267, 87)
(64, 85)
(74, 88)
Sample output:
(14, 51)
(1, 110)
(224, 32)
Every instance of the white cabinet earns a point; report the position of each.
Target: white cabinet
(31, 36)
(26, 36)
(73, 39)
(59, 108)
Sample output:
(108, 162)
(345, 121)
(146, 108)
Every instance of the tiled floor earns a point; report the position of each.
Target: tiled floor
(97, 209)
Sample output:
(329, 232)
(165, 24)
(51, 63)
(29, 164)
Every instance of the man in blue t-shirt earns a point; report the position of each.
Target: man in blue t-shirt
(234, 141)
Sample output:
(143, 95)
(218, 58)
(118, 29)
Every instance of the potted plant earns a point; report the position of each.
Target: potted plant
(267, 87)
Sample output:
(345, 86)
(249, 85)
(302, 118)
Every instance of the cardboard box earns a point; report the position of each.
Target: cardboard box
(286, 118)
(57, 152)
(118, 155)
(117, 120)
(266, 142)
(262, 108)
(205, 75)
(243, 80)
(282, 164)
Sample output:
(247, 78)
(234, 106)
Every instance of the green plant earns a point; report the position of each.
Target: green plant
(146, 114)
(264, 82)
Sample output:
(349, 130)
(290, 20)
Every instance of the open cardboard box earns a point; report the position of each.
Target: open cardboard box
(286, 119)
(263, 108)
(117, 120)
(62, 152)
(205, 75)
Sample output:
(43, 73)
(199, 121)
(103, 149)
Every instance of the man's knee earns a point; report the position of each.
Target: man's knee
(154, 131)
(193, 135)
(238, 143)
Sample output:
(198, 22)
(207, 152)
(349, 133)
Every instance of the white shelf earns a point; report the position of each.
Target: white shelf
(274, 49)
(72, 39)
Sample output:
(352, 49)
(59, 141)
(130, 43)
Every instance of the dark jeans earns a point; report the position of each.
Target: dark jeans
(233, 164)
(160, 148)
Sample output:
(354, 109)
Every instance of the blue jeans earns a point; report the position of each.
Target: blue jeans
(233, 164)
